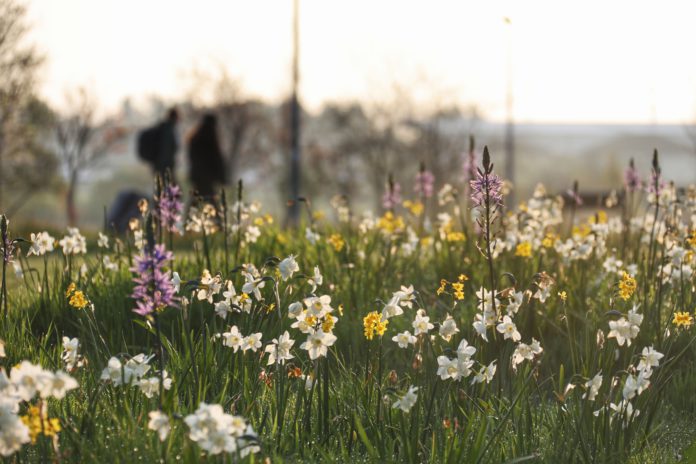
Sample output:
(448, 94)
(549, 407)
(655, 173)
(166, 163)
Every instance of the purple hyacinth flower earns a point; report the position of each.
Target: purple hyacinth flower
(631, 178)
(425, 183)
(153, 290)
(170, 207)
(486, 184)
(392, 197)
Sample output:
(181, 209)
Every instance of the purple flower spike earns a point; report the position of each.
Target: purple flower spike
(169, 207)
(657, 185)
(392, 197)
(631, 178)
(425, 183)
(153, 290)
(485, 185)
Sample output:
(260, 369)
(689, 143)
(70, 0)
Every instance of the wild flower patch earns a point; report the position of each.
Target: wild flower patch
(450, 327)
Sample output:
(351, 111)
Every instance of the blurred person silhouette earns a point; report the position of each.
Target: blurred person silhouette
(157, 145)
(206, 164)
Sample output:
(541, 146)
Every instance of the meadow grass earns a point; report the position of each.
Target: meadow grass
(579, 345)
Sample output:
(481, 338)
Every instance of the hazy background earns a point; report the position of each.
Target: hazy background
(384, 85)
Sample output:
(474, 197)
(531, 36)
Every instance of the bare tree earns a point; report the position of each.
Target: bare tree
(19, 63)
(82, 141)
(33, 165)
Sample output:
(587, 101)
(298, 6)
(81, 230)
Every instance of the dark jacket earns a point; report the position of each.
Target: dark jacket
(166, 148)
(207, 167)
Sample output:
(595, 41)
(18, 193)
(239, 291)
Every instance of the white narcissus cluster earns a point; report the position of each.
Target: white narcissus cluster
(448, 328)
(132, 372)
(404, 339)
(314, 316)
(637, 380)
(459, 367)
(279, 349)
(159, 422)
(421, 324)
(408, 400)
(208, 286)
(218, 432)
(400, 299)
(41, 244)
(253, 284)
(26, 380)
(525, 352)
(288, 267)
(316, 280)
(103, 240)
(509, 329)
(73, 243)
(235, 340)
(318, 343)
(70, 356)
(487, 317)
(490, 316)
(150, 385)
(593, 385)
(625, 329)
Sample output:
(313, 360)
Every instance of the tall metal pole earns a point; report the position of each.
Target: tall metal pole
(510, 124)
(293, 212)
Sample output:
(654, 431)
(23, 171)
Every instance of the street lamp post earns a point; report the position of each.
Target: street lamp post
(510, 125)
(294, 209)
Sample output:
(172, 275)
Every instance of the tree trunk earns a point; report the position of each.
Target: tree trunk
(71, 210)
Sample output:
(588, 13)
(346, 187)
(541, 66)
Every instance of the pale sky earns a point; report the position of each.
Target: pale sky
(572, 61)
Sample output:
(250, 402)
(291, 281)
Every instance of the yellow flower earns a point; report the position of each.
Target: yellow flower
(563, 296)
(458, 288)
(549, 240)
(282, 238)
(340, 309)
(599, 218)
(456, 237)
(258, 221)
(691, 239)
(583, 230)
(78, 300)
(318, 215)
(682, 318)
(524, 250)
(328, 324)
(39, 423)
(381, 327)
(268, 218)
(441, 289)
(415, 207)
(373, 323)
(71, 288)
(337, 242)
(462, 278)
(425, 241)
(390, 223)
(627, 286)
(270, 308)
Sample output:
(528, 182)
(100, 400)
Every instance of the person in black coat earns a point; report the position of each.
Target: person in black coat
(207, 167)
(167, 146)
